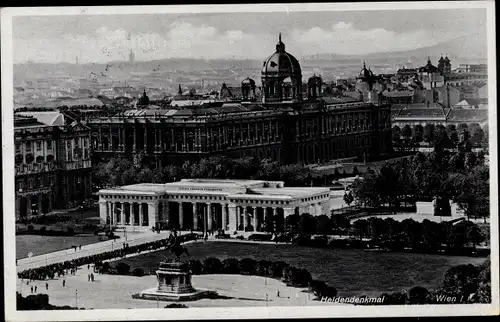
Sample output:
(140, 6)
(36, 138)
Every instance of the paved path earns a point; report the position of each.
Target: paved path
(133, 239)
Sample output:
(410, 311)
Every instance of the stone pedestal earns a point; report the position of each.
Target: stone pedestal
(174, 284)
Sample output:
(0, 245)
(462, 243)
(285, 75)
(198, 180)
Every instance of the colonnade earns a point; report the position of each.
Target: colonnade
(199, 216)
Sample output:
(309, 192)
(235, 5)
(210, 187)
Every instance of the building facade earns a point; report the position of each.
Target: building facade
(209, 205)
(284, 126)
(52, 165)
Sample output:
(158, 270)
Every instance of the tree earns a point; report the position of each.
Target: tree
(348, 198)
(484, 282)
(477, 135)
(441, 139)
(292, 223)
(406, 132)
(324, 225)
(361, 227)
(396, 134)
(365, 190)
(230, 266)
(429, 133)
(418, 133)
(212, 265)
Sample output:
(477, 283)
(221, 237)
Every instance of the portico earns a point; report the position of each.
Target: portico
(209, 205)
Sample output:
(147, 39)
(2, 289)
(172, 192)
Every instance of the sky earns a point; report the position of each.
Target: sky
(104, 38)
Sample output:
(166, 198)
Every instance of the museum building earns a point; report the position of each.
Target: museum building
(287, 124)
(209, 205)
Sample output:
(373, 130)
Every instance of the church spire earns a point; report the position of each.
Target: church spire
(180, 90)
(280, 46)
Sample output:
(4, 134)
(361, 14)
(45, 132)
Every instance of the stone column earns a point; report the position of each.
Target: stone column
(184, 141)
(113, 215)
(255, 219)
(273, 213)
(122, 213)
(132, 214)
(233, 222)
(287, 212)
(135, 140)
(181, 216)
(244, 218)
(145, 139)
(18, 207)
(39, 204)
(209, 216)
(195, 216)
(318, 209)
(224, 217)
(167, 213)
(152, 213)
(174, 146)
(103, 211)
(141, 214)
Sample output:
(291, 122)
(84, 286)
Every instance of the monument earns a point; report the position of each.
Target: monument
(174, 284)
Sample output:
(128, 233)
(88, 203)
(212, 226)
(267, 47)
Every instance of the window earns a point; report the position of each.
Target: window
(28, 146)
(49, 145)
(39, 145)
(18, 147)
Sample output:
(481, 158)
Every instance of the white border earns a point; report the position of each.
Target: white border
(247, 312)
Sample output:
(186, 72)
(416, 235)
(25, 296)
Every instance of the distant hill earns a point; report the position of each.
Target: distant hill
(468, 48)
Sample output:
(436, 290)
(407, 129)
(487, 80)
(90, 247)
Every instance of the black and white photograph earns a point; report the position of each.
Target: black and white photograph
(250, 161)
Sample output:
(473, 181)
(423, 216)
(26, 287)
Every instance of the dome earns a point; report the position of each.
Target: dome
(447, 59)
(315, 80)
(248, 81)
(365, 73)
(281, 63)
(441, 59)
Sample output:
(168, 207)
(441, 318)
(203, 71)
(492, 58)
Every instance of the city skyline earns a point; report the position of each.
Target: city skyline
(105, 38)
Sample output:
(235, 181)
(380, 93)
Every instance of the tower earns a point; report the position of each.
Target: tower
(131, 57)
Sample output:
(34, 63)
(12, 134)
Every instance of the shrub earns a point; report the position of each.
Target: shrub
(248, 266)
(175, 305)
(240, 237)
(260, 237)
(122, 268)
(212, 265)
(138, 271)
(302, 240)
(96, 232)
(231, 266)
(276, 269)
(43, 230)
(30, 228)
(418, 295)
(319, 241)
(70, 231)
(195, 266)
(263, 268)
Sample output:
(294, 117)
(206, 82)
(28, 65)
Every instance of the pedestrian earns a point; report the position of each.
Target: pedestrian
(88, 278)
(88, 266)
(36, 287)
(91, 277)
(64, 283)
(80, 247)
(31, 288)
(46, 286)
(278, 293)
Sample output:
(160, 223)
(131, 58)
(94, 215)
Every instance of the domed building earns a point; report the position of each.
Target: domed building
(143, 101)
(248, 89)
(368, 85)
(281, 77)
(314, 87)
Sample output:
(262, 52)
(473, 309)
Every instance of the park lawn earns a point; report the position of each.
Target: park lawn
(39, 245)
(352, 272)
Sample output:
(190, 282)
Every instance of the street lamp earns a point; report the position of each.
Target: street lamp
(81, 217)
(76, 298)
